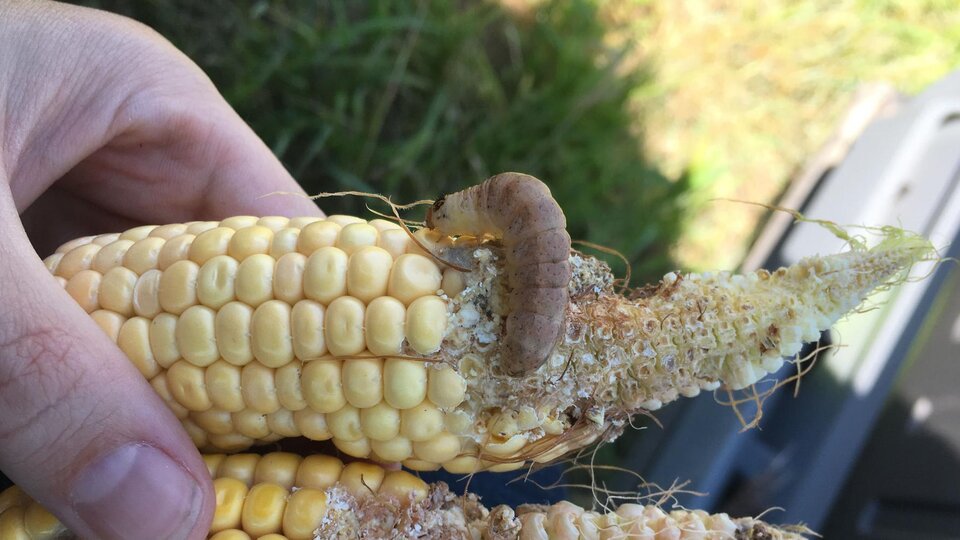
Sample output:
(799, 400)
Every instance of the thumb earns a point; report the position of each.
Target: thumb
(80, 428)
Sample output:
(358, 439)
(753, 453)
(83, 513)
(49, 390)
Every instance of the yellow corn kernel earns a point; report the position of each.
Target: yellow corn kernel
(197, 227)
(213, 421)
(354, 236)
(134, 341)
(169, 231)
(162, 388)
(413, 276)
(395, 241)
(75, 243)
(187, 385)
(306, 329)
(277, 468)
(318, 471)
(216, 281)
(178, 287)
(53, 260)
(362, 381)
(439, 449)
(345, 424)
(223, 382)
(343, 331)
(463, 465)
(302, 221)
(304, 513)
(196, 336)
(263, 509)
(312, 424)
(422, 422)
(426, 321)
(384, 322)
(274, 223)
(209, 244)
(251, 423)
(316, 235)
(325, 276)
(146, 294)
(453, 282)
(198, 435)
(84, 288)
(368, 272)
(77, 259)
(233, 329)
(404, 382)
(116, 290)
(394, 450)
(284, 241)
(506, 448)
(143, 254)
(230, 494)
(258, 388)
(289, 391)
(239, 466)
(175, 249)
(239, 222)
(213, 461)
(248, 241)
(109, 322)
(254, 284)
(362, 479)
(11, 524)
(344, 220)
(288, 278)
(137, 233)
(384, 225)
(446, 388)
(359, 448)
(400, 484)
(108, 238)
(381, 422)
(110, 256)
(322, 385)
(270, 334)
(40, 523)
(281, 423)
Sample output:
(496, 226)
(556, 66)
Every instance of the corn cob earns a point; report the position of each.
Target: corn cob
(254, 329)
(282, 495)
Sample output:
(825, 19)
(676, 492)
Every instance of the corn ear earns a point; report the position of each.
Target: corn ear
(319, 497)
(254, 329)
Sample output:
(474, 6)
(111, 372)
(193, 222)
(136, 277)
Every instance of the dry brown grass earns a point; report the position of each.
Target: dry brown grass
(747, 90)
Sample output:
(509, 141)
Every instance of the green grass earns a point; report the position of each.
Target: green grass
(416, 99)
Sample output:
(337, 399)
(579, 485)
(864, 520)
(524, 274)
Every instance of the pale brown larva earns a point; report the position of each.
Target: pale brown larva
(518, 209)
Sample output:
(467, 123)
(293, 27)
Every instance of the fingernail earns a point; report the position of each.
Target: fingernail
(137, 491)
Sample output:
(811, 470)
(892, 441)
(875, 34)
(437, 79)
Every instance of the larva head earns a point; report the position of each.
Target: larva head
(433, 211)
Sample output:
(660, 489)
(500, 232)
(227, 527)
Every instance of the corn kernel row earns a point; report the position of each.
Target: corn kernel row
(284, 496)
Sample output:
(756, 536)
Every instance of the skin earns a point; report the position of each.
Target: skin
(103, 125)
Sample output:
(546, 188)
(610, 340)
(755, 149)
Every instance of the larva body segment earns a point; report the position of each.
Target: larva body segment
(520, 210)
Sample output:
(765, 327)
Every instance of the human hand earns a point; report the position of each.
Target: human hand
(103, 125)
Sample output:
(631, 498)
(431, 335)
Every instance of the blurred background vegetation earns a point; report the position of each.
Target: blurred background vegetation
(636, 112)
(416, 99)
